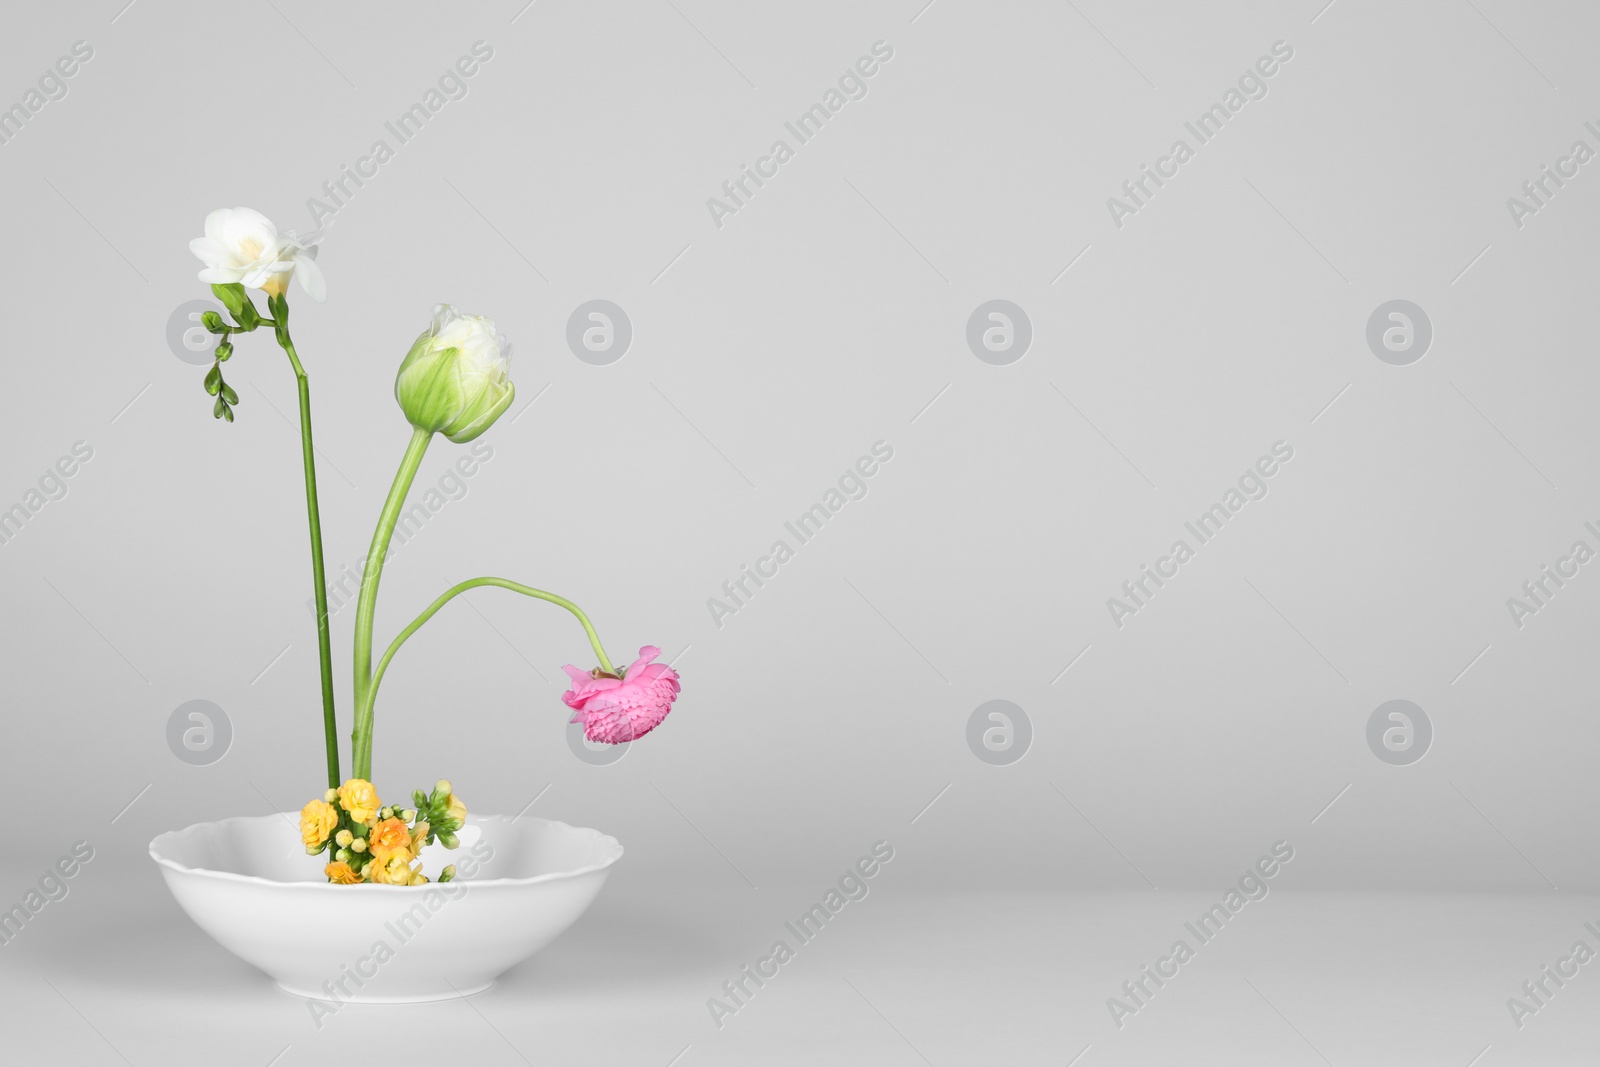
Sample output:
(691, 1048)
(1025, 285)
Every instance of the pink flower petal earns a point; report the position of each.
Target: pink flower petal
(616, 711)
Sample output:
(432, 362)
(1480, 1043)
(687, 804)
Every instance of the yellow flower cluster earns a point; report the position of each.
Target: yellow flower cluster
(377, 844)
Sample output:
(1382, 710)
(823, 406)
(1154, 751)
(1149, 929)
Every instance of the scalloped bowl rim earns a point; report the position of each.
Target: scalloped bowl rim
(611, 845)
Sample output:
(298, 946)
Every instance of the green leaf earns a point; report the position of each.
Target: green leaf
(218, 408)
(214, 379)
(224, 351)
(227, 412)
(228, 394)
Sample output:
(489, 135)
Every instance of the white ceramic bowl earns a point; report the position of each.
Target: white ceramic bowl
(249, 884)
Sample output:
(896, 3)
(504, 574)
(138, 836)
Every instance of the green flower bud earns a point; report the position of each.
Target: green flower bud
(409, 815)
(448, 839)
(224, 351)
(212, 322)
(448, 873)
(331, 796)
(237, 301)
(343, 838)
(456, 378)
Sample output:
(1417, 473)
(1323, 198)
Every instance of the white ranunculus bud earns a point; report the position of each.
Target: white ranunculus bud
(456, 378)
(243, 246)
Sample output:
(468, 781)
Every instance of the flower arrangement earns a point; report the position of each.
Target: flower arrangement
(377, 844)
(454, 382)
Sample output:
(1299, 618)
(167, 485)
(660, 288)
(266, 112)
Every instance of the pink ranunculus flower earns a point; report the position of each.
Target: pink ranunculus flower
(615, 710)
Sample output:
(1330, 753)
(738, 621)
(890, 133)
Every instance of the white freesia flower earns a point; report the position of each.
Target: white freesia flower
(456, 379)
(244, 246)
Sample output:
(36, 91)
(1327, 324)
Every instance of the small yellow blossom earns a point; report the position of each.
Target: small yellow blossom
(390, 855)
(317, 820)
(457, 810)
(419, 837)
(341, 874)
(389, 834)
(360, 800)
(343, 838)
(392, 870)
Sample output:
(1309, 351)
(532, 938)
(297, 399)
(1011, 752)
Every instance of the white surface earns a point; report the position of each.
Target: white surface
(980, 977)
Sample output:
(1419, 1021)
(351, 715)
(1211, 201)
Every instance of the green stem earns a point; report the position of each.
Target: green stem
(473, 583)
(318, 575)
(361, 736)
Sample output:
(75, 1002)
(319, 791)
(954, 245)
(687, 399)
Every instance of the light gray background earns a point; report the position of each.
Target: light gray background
(1168, 354)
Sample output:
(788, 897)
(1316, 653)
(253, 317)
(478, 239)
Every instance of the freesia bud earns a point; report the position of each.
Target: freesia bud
(239, 305)
(456, 378)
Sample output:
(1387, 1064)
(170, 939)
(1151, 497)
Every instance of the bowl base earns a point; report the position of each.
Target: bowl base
(413, 998)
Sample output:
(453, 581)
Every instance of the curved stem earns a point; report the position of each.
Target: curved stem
(473, 583)
(372, 571)
(318, 575)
